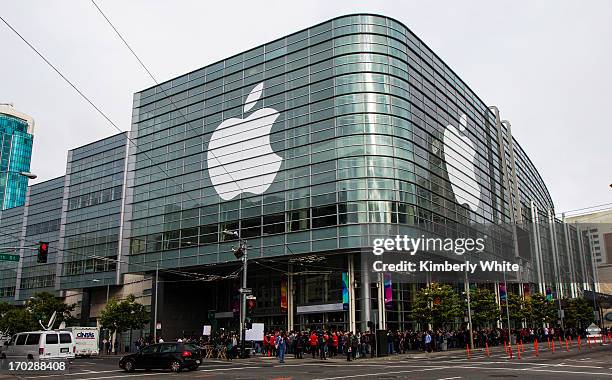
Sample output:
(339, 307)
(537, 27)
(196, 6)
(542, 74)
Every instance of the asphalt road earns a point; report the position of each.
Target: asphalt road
(594, 363)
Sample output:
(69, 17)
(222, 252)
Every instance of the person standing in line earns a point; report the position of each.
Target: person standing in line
(348, 346)
(314, 344)
(427, 342)
(281, 346)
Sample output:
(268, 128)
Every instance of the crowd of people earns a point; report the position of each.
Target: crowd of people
(323, 344)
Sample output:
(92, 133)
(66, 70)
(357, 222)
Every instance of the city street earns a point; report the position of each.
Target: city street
(591, 363)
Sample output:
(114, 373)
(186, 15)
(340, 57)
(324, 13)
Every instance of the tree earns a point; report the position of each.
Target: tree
(578, 313)
(540, 310)
(17, 319)
(119, 316)
(437, 304)
(518, 308)
(485, 310)
(43, 304)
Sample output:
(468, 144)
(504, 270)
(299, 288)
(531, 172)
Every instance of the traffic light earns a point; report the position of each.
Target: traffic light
(248, 323)
(43, 252)
(250, 306)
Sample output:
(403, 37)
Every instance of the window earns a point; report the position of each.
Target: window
(274, 224)
(167, 348)
(51, 339)
(251, 227)
(65, 338)
(149, 349)
(21, 339)
(33, 339)
(324, 216)
(209, 234)
(299, 220)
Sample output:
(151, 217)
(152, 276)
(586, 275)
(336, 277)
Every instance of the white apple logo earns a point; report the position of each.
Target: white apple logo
(459, 154)
(242, 148)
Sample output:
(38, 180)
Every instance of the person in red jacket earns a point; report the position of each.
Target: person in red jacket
(314, 343)
(334, 344)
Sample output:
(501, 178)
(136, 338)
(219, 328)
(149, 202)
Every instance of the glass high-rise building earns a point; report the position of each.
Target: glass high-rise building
(16, 135)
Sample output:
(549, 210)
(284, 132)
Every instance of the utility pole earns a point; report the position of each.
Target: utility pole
(467, 293)
(241, 253)
(155, 312)
(243, 295)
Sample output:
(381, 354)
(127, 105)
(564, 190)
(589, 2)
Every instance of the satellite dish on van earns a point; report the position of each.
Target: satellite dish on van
(62, 325)
(49, 326)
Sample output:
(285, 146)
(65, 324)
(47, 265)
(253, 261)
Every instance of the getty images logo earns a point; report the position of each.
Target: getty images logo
(459, 154)
(241, 147)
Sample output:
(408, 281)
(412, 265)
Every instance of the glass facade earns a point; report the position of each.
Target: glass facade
(361, 108)
(15, 155)
(310, 147)
(42, 223)
(91, 222)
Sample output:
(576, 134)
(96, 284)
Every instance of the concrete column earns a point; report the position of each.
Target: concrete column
(290, 298)
(382, 317)
(581, 254)
(538, 248)
(570, 258)
(366, 303)
(351, 292)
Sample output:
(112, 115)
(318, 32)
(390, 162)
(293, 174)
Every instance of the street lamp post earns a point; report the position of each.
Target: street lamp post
(241, 253)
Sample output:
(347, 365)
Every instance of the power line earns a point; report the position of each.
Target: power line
(164, 91)
(90, 102)
(586, 208)
(177, 109)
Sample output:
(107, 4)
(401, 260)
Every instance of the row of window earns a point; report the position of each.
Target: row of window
(295, 220)
(95, 198)
(38, 282)
(43, 227)
(90, 266)
(7, 291)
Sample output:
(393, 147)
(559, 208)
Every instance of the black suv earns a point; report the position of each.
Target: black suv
(172, 355)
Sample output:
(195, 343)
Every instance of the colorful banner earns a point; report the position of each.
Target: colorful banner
(503, 294)
(283, 289)
(345, 291)
(549, 295)
(526, 291)
(388, 289)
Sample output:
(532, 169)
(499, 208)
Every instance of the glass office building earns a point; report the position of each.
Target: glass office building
(310, 147)
(16, 134)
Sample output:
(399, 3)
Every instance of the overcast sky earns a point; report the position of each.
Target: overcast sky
(546, 64)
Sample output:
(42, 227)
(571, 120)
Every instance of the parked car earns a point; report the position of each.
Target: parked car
(36, 345)
(169, 355)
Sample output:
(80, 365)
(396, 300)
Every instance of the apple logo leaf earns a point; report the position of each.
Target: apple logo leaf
(253, 97)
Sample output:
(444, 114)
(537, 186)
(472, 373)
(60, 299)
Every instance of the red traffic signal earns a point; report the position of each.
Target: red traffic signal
(43, 252)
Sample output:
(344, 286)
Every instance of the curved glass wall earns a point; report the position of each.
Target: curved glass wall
(360, 108)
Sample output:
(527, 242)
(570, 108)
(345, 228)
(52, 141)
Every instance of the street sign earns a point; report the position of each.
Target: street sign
(8, 257)
(251, 297)
(246, 290)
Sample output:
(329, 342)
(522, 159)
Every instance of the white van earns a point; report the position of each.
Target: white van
(86, 340)
(36, 345)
